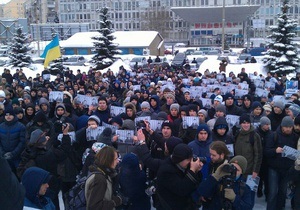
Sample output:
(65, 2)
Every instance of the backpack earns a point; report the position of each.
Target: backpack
(75, 197)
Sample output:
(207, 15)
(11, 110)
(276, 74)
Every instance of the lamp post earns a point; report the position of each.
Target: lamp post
(223, 26)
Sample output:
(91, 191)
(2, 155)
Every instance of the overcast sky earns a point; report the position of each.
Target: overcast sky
(4, 1)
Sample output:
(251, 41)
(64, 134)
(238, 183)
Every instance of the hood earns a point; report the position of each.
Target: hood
(221, 121)
(156, 98)
(32, 180)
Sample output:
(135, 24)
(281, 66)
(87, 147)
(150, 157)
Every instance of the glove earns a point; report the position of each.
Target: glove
(219, 173)
(297, 164)
(8, 156)
(229, 194)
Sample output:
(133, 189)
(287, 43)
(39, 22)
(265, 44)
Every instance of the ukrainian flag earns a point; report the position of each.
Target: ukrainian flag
(52, 51)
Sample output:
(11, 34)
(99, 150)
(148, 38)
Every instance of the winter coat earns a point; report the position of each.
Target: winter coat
(12, 192)
(98, 190)
(133, 183)
(104, 115)
(252, 151)
(156, 109)
(276, 119)
(201, 149)
(255, 120)
(210, 190)
(275, 160)
(227, 138)
(174, 186)
(234, 110)
(12, 138)
(44, 158)
(32, 190)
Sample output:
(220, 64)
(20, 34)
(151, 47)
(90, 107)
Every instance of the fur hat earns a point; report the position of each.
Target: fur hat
(241, 161)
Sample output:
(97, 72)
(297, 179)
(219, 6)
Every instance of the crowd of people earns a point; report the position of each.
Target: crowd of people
(209, 139)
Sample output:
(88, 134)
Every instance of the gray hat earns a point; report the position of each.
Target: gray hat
(287, 121)
(204, 112)
(221, 108)
(37, 136)
(128, 125)
(265, 121)
(295, 109)
(105, 137)
(145, 104)
(241, 161)
(95, 118)
(174, 106)
(279, 104)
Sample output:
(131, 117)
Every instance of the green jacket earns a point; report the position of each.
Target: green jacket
(251, 150)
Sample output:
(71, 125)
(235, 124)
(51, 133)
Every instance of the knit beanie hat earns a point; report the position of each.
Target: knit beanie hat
(172, 142)
(267, 107)
(145, 104)
(18, 110)
(9, 111)
(95, 118)
(40, 117)
(287, 121)
(105, 137)
(245, 118)
(2, 94)
(170, 96)
(174, 106)
(117, 119)
(279, 104)
(162, 115)
(203, 127)
(128, 125)
(228, 96)
(204, 112)
(218, 98)
(37, 136)
(181, 152)
(166, 123)
(193, 107)
(256, 104)
(221, 108)
(241, 161)
(265, 121)
(297, 120)
(15, 101)
(295, 109)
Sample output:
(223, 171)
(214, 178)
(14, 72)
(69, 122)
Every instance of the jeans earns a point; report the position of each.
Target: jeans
(277, 189)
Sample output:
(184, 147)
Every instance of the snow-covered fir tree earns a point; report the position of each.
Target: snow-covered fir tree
(282, 55)
(19, 49)
(104, 47)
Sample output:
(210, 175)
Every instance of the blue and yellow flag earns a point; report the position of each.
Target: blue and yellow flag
(52, 51)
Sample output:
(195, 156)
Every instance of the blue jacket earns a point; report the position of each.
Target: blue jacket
(32, 180)
(210, 190)
(12, 138)
(201, 149)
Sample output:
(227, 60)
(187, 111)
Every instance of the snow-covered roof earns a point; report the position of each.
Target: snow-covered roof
(123, 38)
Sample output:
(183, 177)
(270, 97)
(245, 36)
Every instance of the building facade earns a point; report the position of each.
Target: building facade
(13, 9)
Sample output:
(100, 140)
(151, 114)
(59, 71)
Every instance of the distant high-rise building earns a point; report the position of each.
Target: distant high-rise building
(13, 9)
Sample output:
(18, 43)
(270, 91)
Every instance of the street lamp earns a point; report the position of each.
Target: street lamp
(223, 26)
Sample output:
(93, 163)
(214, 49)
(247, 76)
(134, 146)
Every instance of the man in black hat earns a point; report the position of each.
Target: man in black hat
(178, 179)
(12, 139)
(230, 105)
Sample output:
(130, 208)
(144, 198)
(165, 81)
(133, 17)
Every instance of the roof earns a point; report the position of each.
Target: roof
(123, 38)
(214, 14)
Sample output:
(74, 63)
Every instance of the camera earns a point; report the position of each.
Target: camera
(202, 159)
(60, 124)
(141, 125)
(228, 182)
